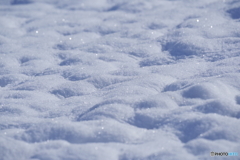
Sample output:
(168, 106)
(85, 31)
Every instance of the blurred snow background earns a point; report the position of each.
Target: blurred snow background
(119, 79)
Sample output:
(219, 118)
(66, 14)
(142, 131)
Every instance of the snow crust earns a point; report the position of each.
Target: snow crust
(119, 79)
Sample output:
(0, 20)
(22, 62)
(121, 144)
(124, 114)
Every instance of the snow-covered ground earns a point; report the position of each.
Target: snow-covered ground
(119, 79)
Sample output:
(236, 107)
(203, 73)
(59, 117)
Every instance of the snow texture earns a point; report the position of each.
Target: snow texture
(119, 79)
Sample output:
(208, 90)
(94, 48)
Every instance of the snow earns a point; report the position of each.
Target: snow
(119, 80)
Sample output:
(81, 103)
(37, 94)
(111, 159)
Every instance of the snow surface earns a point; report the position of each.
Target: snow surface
(119, 79)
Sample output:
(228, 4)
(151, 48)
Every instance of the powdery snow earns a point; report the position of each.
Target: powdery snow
(119, 79)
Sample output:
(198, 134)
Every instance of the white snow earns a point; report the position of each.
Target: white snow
(119, 79)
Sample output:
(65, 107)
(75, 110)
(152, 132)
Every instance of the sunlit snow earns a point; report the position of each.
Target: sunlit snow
(119, 79)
